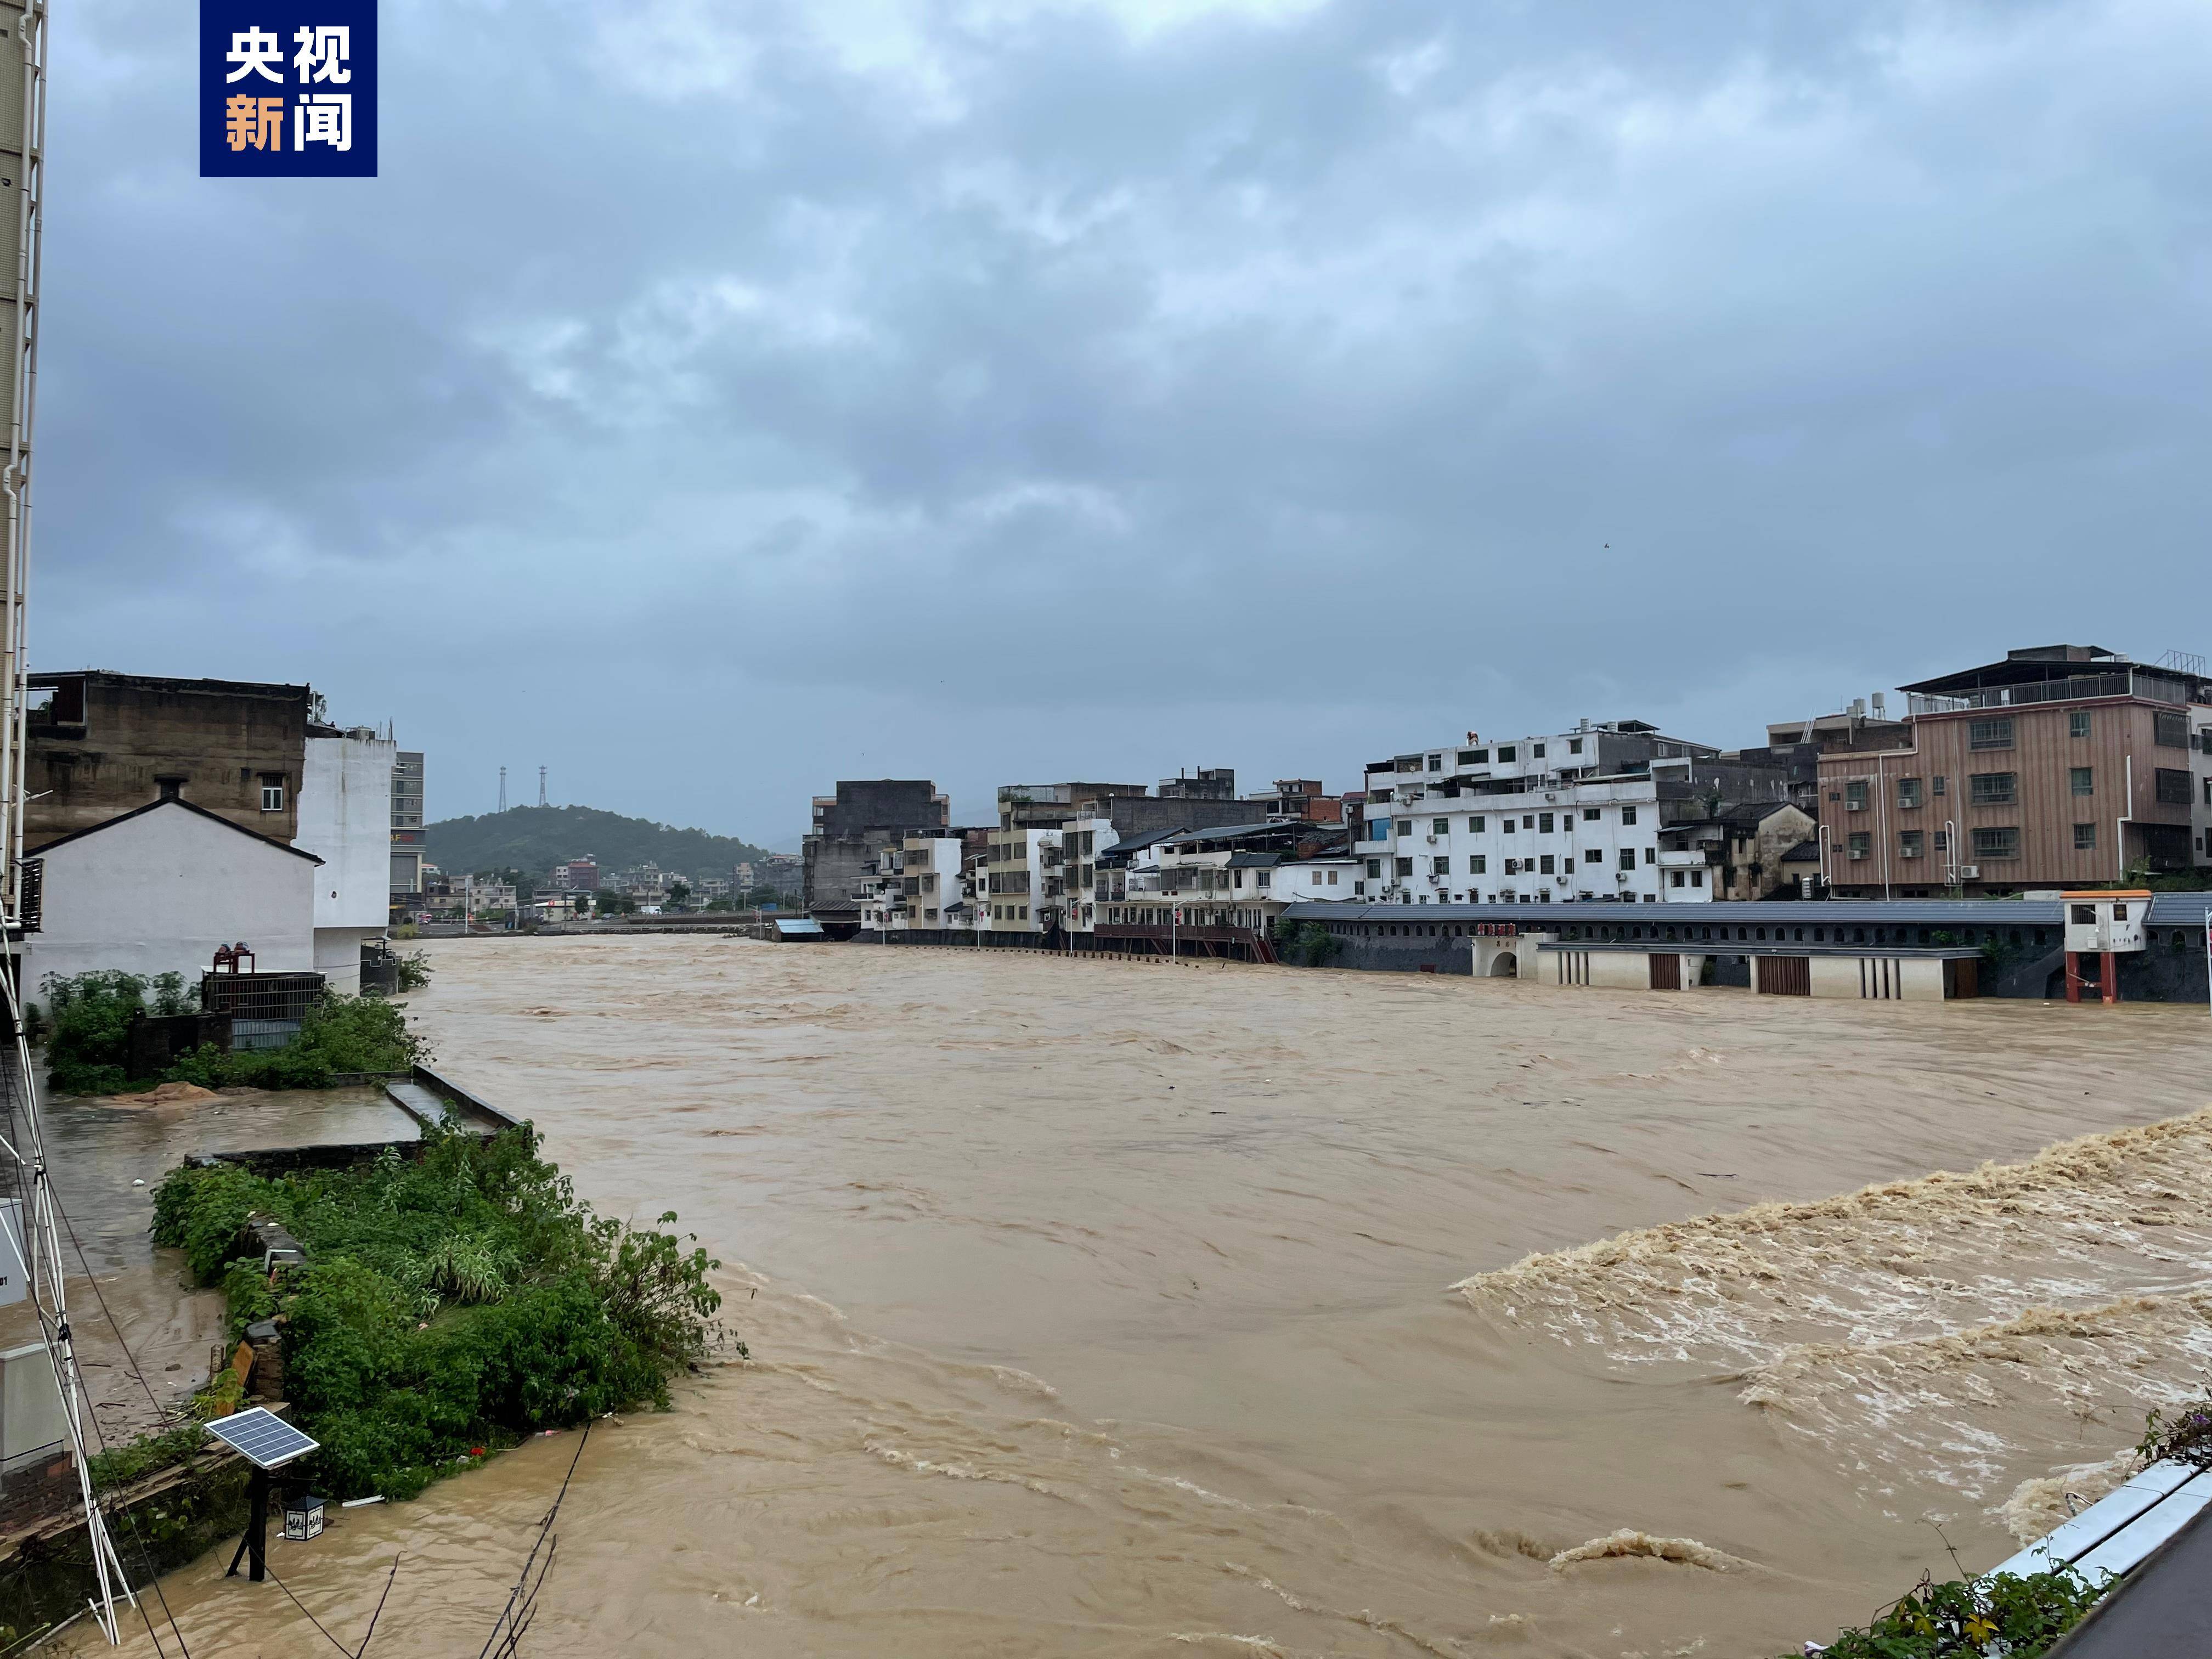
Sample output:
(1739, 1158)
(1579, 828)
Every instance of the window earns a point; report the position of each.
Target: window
(1988, 734)
(1911, 843)
(1477, 866)
(1908, 794)
(1405, 867)
(1477, 823)
(1678, 877)
(1591, 855)
(1574, 745)
(1592, 815)
(2085, 840)
(1536, 752)
(1265, 878)
(1474, 757)
(1375, 868)
(1943, 840)
(2169, 730)
(1506, 754)
(1507, 822)
(1528, 820)
(1940, 785)
(1993, 788)
(1855, 795)
(1628, 858)
(2077, 723)
(1436, 762)
(2084, 779)
(1440, 866)
(1628, 815)
(1513, 866)
(1998, 843)
(272, 794)
(2173, 787)
(1860, 842)
(1652, 855)
(1440, 827)
(1547, 865)
(1544, 825)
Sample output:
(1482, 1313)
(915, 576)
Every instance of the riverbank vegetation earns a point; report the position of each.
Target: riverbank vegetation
(448, 1306)
(86, 1021)
(2019, 1618)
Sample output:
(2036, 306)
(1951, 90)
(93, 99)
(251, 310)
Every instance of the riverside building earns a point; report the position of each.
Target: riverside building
(1599, 813)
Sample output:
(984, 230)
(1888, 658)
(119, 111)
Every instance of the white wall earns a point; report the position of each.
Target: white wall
(346, 820)
(157, 892)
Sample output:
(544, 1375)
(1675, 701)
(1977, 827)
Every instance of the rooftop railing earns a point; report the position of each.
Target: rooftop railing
(2077, 688)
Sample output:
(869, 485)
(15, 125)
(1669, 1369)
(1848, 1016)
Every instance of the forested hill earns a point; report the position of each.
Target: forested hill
(533, 839)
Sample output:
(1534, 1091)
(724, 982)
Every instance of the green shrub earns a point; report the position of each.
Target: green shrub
(447, 1305)
(1306, 944)
(90, 1018)
(340, 1036)
(2019, 1618)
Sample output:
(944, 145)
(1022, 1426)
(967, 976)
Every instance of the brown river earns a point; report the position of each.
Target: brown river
(1114, 1310)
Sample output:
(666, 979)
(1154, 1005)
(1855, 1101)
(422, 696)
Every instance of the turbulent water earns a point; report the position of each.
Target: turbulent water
(1106, 1309)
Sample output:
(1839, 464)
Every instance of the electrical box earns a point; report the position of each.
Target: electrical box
(2100, 921)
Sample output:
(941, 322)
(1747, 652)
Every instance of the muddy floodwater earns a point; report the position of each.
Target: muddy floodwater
(1105, 1309)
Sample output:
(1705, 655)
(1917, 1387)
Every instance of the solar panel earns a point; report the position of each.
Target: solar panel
(263, 1438)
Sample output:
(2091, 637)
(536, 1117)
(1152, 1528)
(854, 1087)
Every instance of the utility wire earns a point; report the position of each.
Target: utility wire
(311, 1618)
(510, 1611)
(129, 1515)
(379, 1613)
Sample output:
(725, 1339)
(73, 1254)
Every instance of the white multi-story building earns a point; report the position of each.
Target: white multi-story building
(1533, 820)
(919, 888)
(346, 820)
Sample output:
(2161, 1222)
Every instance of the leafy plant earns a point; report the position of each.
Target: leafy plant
(414, 970)
(2018, 1618)
(458, 1301)
(1307, 943)
(2184, 1437)
(90, 1017)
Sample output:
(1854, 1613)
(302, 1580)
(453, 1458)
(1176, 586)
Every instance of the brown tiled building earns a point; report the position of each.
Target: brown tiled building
(101, 744)
(2062, 765)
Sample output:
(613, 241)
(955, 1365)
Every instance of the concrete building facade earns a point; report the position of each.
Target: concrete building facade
(344, 813)
(2060, 766)
(100, 743)
(158, 889)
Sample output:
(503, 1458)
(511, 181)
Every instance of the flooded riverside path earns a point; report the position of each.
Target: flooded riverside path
(1110, 1309)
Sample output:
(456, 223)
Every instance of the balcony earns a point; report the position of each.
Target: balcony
(2152, 688)
(1685, 859)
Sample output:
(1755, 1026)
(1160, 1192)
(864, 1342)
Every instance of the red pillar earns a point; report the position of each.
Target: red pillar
(2073, 977)
(2111, 985)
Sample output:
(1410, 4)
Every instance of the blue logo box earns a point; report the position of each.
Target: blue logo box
(288, 89)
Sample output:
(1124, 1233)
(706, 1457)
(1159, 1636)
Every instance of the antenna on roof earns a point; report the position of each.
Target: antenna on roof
(502, 789)
(540, 786)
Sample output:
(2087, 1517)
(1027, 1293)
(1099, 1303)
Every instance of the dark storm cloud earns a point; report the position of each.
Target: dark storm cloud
(710, 401)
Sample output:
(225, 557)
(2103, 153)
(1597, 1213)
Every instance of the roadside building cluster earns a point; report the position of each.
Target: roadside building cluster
(2056, 769)
(168, 819)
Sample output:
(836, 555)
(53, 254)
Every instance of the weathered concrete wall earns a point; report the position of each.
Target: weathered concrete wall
(222, 737)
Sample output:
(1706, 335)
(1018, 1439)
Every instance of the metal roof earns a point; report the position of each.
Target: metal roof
(2167, 910)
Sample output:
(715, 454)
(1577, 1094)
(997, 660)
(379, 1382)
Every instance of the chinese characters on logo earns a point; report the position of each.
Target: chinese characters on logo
(325, 55)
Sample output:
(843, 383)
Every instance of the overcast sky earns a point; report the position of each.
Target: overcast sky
(713, 399)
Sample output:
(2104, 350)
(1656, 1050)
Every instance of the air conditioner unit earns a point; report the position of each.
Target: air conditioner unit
(1970, 873)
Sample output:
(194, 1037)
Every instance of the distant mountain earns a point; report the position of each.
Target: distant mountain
(533, 839)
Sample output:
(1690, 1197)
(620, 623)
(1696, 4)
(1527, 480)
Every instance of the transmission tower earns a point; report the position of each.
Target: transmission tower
(540, 786)
(502, 789)
(34, 1226)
